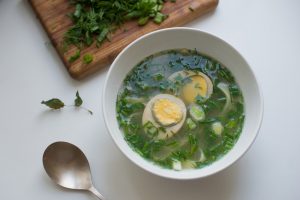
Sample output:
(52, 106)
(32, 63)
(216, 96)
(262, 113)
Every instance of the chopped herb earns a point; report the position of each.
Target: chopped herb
(75, 56)
(150, 129)
(178, 78)
(180, 155)
(158, 77)
(87, 58)
(191, 124)
(193, 143)
(102, 35)
(159, 18)
(234, 90)
(95, 20)
(199, 99)
(163, 129)
(173, 143)
(143, 20)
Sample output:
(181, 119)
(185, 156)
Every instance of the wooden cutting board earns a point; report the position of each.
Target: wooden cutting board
(52, 14)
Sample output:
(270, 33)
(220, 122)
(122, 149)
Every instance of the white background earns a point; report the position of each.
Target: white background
(266, 32)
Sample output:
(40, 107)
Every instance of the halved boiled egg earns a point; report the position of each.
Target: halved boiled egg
(167, 111)
(199, 84)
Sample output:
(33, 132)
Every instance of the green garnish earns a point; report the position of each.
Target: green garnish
(94, 20)
(54, 103)
(87, 58)
(199, 99)
(150, 129)
(57, 104)
(158, 77)
(196, 112)
(193, 143)
(159, 18)
(143, 20)
(78, 101)
(191, 124)
(75, 56)
(234, 90)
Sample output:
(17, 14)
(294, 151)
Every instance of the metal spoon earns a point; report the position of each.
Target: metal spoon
(67, 166)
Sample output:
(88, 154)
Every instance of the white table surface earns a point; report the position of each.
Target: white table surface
(266, 32)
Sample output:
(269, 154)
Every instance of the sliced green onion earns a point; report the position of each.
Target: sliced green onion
(196, 112)
(177, 165)
(150, 129)
(191, 124)
(217, 128)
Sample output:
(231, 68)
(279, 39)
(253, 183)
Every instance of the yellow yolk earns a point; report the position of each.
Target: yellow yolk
(197, 86)
(166, 112)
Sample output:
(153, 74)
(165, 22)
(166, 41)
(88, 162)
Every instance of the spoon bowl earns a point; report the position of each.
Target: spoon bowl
(67, 166)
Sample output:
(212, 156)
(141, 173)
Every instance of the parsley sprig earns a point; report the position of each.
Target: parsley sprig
(57, 104)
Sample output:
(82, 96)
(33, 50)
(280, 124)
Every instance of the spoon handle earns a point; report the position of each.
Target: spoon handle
(96, 193)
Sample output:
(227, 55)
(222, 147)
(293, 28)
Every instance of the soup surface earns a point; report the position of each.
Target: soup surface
(180, 109)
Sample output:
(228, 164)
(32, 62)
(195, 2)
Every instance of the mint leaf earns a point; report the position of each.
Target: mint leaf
(78, 101)
(54, 103)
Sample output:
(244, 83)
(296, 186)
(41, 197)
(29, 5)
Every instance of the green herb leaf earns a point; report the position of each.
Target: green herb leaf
(150, 129)
(143, 20)
(193, 143)
(54, 103)
(158, 77)
(159, 18)
(102, 35)
(57, 103)
(78, 9)
(78, 101)
(199, 99)
(191, 124)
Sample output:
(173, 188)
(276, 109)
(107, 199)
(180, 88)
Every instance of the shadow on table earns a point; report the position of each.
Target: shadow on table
(216, 187)
(131, 182)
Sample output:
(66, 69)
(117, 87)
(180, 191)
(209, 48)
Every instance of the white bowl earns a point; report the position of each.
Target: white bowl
(207, 44)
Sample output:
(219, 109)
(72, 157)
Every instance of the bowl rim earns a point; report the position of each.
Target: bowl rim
(104, 110)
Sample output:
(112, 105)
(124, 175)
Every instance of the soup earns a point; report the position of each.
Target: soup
(180, 109)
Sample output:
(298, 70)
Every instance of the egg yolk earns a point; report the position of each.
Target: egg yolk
(197, 86)
(166, 112)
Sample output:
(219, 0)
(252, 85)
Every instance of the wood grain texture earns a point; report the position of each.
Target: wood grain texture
(52, 14)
